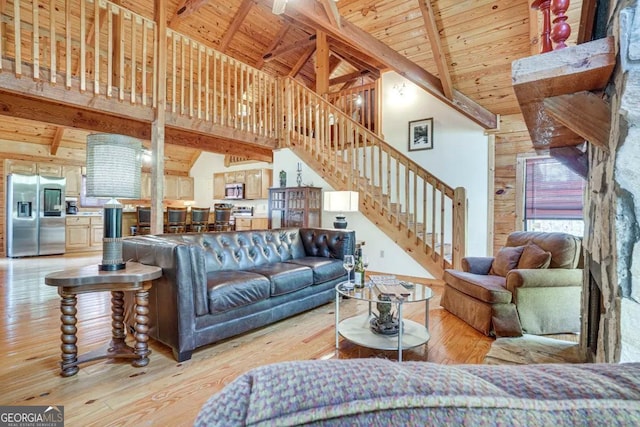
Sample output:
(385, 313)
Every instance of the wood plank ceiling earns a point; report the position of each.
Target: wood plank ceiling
(475, 46)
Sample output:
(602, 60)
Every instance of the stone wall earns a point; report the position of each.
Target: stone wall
(612, 234)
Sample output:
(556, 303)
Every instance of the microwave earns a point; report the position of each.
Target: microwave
(234, 191)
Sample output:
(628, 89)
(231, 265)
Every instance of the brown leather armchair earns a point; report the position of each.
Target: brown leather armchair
(532, 285)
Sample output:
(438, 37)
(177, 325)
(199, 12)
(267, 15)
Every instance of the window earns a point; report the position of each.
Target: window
(554, 197)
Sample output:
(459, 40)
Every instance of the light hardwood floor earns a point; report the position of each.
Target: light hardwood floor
(167, 393)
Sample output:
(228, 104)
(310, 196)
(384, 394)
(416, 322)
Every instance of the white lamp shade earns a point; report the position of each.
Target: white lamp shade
(114, 163)
(341, 201)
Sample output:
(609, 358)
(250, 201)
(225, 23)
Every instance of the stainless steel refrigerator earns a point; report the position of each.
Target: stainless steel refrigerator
(35, 215)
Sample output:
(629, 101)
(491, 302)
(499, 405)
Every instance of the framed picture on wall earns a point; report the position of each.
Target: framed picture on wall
(421, 134)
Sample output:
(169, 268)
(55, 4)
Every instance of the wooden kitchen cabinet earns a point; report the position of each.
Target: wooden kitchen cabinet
(218, 185)
(235, 177)
(178, 187)
(97, 233)
(78, 232)
(251, 223)
(73, 175)
(20, 167)
(84, 233)
(257, 183)
(49, 169)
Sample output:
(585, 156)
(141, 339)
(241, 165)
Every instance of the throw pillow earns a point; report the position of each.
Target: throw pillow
(506, 259)
(533, 256)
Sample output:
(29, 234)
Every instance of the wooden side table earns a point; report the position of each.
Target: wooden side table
(136, 278)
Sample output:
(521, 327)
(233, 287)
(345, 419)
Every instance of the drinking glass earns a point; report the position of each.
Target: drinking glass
(348, 264)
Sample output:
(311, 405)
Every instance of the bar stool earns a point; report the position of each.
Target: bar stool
(200, 219)
(176, 220)
(143, 220)
(222, 218)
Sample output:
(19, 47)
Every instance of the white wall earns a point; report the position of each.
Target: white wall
(460, 150)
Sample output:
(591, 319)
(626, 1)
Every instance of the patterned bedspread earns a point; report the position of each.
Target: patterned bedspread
(377, 392)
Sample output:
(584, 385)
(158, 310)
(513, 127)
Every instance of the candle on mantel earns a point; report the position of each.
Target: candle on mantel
(299, 167)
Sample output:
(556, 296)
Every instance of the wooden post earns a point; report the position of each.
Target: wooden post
(322, 64)
(157, 127)
(459, 227)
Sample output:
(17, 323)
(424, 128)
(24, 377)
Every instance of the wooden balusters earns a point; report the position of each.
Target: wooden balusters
(561, 29)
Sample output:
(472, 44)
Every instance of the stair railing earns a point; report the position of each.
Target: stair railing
(414, 202)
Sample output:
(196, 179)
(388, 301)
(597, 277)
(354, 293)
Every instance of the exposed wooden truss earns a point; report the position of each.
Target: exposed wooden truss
(55, 141)
(237, 21)
(436, 47)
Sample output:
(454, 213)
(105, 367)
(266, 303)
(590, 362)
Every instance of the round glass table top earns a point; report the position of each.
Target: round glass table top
(386, 291)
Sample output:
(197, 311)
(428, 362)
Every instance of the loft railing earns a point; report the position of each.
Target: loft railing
(95, 46)
(413, 200)
(206, 84)
(361, 103)
(87, 45)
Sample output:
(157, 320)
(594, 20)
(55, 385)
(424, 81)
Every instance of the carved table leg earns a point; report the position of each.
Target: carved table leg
(142, 327)
(69, 364)
(117, 345)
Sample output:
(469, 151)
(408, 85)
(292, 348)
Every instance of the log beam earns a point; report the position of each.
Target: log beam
(348, 77)
(274, 44)
(322, 64)
(311, 41)
(436, 47)
(331, 10)
(236, 22)
(355, 36)
(585, 113)
(306, 55)
(55, 141)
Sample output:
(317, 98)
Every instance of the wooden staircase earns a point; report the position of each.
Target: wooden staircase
(410, 205)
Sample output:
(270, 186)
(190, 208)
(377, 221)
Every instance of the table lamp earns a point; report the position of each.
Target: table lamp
(340, 201)
(113, 170)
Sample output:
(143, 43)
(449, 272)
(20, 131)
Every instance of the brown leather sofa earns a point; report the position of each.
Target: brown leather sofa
(216, 285)
(532, 285)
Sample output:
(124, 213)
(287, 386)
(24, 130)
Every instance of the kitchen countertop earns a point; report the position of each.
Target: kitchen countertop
(86, 214)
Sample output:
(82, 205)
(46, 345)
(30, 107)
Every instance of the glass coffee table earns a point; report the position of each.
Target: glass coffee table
(383, 326)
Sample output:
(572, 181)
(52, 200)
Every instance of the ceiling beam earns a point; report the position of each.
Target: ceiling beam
(301, 61)
(361, 40)
(311, 41)
(186, 8)
(236, 22)
(55, 141)
(276, 41)
(358, 62)
(185, 138)
(436, 46)
(348, 77)
(332, 12)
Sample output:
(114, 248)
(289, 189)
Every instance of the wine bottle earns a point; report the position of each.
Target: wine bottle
(358, 271)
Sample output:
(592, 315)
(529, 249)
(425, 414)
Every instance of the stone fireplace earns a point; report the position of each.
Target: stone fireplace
(611, 294)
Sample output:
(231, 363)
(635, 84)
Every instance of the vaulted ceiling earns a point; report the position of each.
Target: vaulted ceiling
(461, 51)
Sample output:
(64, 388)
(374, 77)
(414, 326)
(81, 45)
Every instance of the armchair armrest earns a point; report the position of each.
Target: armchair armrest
(477, 265)
(543, 278)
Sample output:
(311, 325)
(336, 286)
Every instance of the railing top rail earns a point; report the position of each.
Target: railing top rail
(210, 50)
(102, 3)
(412, 165)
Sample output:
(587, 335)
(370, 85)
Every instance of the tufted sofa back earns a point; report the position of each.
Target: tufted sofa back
(247, 249)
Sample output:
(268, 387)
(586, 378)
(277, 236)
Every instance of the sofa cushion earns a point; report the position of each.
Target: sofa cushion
(490, 289)
(231, 289)
(506, 259)
(566, 249)
(533, 256)
(285, 277)
(324, 269)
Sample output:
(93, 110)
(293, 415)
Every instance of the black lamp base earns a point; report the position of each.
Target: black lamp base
(112, 238)
(112, 267)
(340, 223)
